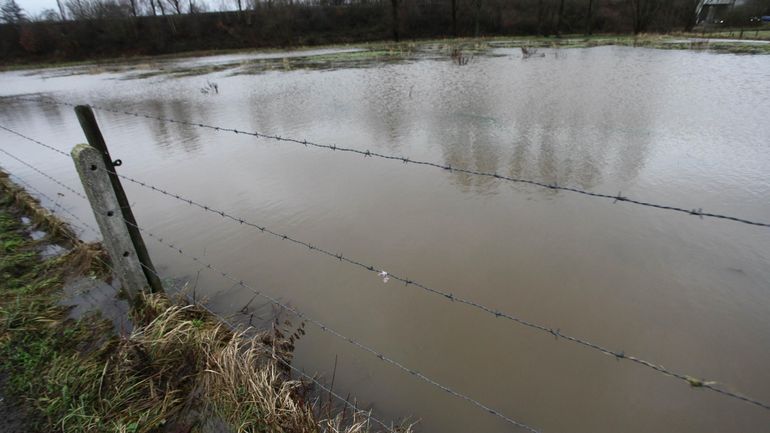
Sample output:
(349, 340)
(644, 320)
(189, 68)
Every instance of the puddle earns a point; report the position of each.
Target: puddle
(86, 295)
(51, 251)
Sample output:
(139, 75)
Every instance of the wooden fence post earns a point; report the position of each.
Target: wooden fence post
(104, 202)
(96, 140)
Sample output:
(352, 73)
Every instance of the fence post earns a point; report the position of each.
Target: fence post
(104, 202)
(96, 140)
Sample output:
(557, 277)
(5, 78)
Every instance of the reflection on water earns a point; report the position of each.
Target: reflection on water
(667, 126)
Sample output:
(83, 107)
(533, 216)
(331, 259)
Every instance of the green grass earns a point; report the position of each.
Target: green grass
(57, 365)
(34, 331)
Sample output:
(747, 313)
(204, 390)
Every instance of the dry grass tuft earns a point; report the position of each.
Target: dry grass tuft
(245, 388)
(179, 368)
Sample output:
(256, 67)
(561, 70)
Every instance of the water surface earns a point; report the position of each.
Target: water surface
(674, 127)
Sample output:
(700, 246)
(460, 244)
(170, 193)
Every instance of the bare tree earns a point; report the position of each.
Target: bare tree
(589, 18)
(642, 13)
(11, 12)
(78, 9)
(477, 18)
(690, 19)
(540, 17)
(176, 5)
(396, 24)
(47, 15)
(97, 9)
(560, 18)
(454, 18)
(62, 10)
(153, 7)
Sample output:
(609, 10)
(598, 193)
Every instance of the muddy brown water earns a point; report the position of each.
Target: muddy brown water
(674, 127)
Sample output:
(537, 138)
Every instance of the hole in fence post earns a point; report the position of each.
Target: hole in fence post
(126, 253)
(110, 213)
(93, 167)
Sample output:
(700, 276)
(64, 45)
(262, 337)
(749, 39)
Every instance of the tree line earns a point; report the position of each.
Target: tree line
(81, 29)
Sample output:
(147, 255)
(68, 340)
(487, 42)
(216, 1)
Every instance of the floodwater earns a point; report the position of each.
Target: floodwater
(672, 127)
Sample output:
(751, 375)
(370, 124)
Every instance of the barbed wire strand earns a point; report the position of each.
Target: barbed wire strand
(27, 185)
(219, 317)
(58, 182)
(80, 223)
(556, 332)
(448, 167)
(83, 226)
(330, 330)
(36, 141)
(325, 328)
(618, 354)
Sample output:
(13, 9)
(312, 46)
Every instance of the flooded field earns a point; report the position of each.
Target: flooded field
(673, 127)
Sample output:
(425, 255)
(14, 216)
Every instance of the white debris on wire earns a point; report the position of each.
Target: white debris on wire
(384, 276)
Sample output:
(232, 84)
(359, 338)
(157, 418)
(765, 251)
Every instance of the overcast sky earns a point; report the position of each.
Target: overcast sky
(34, 7)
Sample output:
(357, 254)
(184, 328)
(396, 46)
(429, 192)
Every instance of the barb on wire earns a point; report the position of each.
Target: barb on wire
(617, 354)
(406, 160)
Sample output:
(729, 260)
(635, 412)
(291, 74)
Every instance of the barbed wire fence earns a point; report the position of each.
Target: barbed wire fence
(320, 325)
(87, 227)
(442, 293)
(615, 198)
(228, 322)
(84, 226)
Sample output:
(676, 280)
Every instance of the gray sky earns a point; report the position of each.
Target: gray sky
(34, 7)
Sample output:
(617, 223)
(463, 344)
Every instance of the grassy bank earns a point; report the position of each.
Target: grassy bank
(178, 370)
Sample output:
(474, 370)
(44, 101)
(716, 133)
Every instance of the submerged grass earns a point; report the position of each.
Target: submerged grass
(179, 370)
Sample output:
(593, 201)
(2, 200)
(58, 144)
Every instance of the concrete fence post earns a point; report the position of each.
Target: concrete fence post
(95, 138)
(96, 182)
